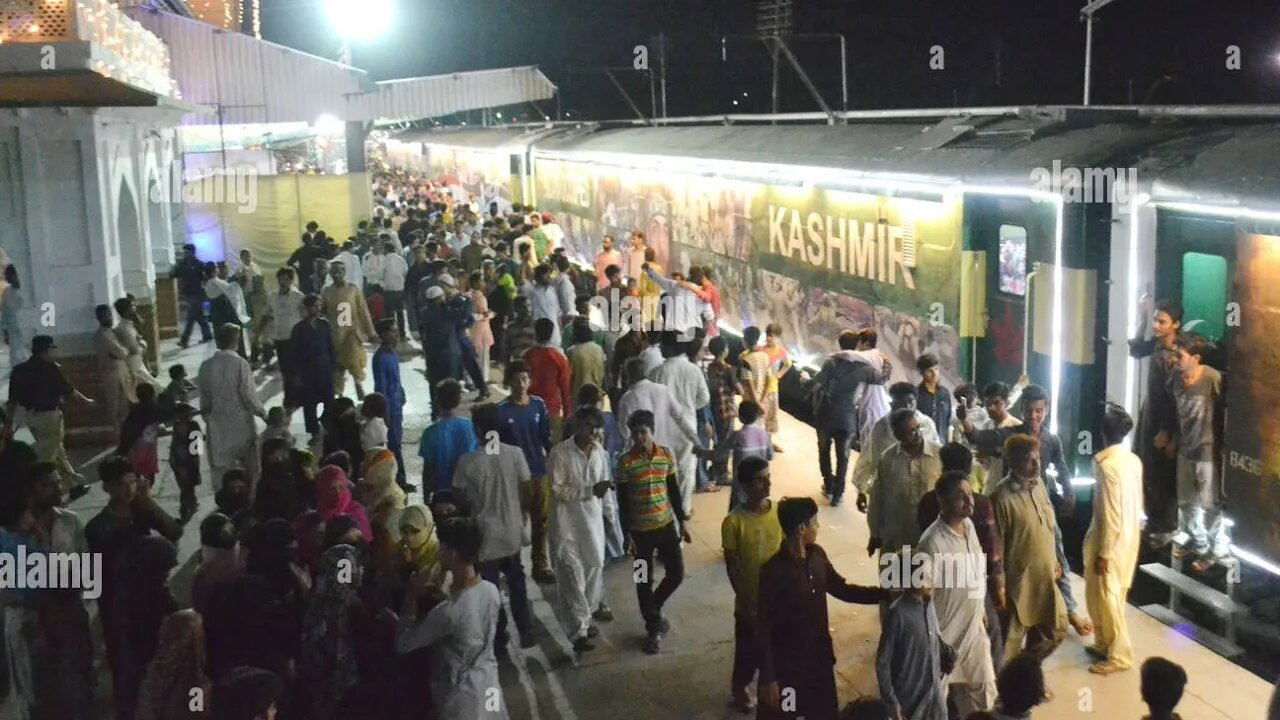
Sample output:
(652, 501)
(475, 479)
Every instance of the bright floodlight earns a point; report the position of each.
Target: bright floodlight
(360, 19)
(329, 125)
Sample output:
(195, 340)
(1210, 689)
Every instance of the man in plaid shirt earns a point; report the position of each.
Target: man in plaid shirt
(722, 381)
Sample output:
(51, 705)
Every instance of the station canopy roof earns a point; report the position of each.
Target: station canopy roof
(251, 81)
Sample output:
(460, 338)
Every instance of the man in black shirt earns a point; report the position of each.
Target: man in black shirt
(40, 388)
(189, 273)
(1158, 419)
(15, 455)
(408, 227)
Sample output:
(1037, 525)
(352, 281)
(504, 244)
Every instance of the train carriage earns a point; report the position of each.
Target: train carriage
(1005, 241)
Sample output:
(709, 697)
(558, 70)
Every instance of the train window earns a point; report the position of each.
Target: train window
(1013, 259)
(1204, 294)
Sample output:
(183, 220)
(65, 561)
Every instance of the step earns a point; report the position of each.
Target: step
(1185, 627)
(1191, 588)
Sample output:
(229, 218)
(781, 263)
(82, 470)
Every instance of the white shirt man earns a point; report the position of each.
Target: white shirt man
(373, 264)
(544, 302)
(492, 482)
(671, 425)
(355, 273)
(394, 270)
(229, 402)
(286, 311)
(959, 597)
(577, 532)
(688, 387)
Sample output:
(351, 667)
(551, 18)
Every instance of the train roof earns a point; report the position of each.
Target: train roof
(1213, 155)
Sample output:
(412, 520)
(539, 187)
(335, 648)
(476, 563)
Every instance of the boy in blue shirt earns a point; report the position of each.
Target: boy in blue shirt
(445, 440)
(751, 440)
(526, 424)
(386, 380)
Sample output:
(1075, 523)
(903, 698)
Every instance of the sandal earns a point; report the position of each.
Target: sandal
(1105, 668)
(1082, 626)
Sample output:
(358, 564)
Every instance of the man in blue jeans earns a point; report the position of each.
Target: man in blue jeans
(189, 273)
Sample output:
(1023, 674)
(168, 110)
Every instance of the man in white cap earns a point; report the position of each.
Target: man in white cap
(440, 347)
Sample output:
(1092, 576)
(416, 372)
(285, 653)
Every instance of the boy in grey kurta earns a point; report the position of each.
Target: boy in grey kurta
(1027, 533)
(909, 660)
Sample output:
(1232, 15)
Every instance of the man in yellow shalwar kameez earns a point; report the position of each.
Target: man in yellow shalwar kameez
(1111, 545)
(348, 315)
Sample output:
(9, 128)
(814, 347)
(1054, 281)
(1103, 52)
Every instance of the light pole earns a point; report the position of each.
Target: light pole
(1086, 14)
(358, 20)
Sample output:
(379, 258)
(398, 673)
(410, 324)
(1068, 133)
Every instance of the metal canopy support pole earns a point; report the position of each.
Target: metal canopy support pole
(662, 50)
(635, 108)
(804, 78)
(1088, 54)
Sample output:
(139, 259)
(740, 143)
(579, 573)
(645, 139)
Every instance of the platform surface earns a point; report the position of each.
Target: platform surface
(689, 679)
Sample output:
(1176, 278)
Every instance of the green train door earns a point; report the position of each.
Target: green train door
(1195, 262)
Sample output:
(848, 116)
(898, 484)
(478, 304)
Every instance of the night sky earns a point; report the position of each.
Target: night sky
(997, 52)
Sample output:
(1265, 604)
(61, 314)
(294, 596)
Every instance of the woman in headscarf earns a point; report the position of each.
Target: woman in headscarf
(419, 547)
(333, 498)
(141, 601)
(176, 669)
(278, 487)
(460, 629)
(220, 563)
(384, 500)
(328, 664)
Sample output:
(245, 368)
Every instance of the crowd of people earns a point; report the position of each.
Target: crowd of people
(323, 592)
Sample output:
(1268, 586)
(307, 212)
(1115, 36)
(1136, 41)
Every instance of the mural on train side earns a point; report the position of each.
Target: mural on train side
(815, 261)
(487, 175)
(1251, 456)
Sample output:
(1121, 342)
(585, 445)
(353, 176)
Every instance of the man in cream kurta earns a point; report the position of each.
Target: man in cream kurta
(688, 387)
(1028, 533)
(131, 338)
(348, 315)
(579, 476)
(229, 402)
(113, 367)
(1111, 544)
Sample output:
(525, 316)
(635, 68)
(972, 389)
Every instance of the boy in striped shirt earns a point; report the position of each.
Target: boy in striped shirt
(649, 505)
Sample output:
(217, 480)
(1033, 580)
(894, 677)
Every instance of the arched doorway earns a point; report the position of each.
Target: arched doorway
(131, 245)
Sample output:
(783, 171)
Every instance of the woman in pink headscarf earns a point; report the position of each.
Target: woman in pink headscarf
(333, 498)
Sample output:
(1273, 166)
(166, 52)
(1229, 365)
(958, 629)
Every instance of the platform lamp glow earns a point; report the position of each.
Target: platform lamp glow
(358, 21)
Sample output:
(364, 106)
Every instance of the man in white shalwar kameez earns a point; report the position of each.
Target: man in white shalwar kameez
(229, 402)
(1111, 544)
(671, 422)
(130, 337)
(688, 387)
(579, 475)
(959, 594)
(113, 367)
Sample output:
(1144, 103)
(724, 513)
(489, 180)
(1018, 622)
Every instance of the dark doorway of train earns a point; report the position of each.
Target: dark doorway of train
(1016, 235)
(1195, 264)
